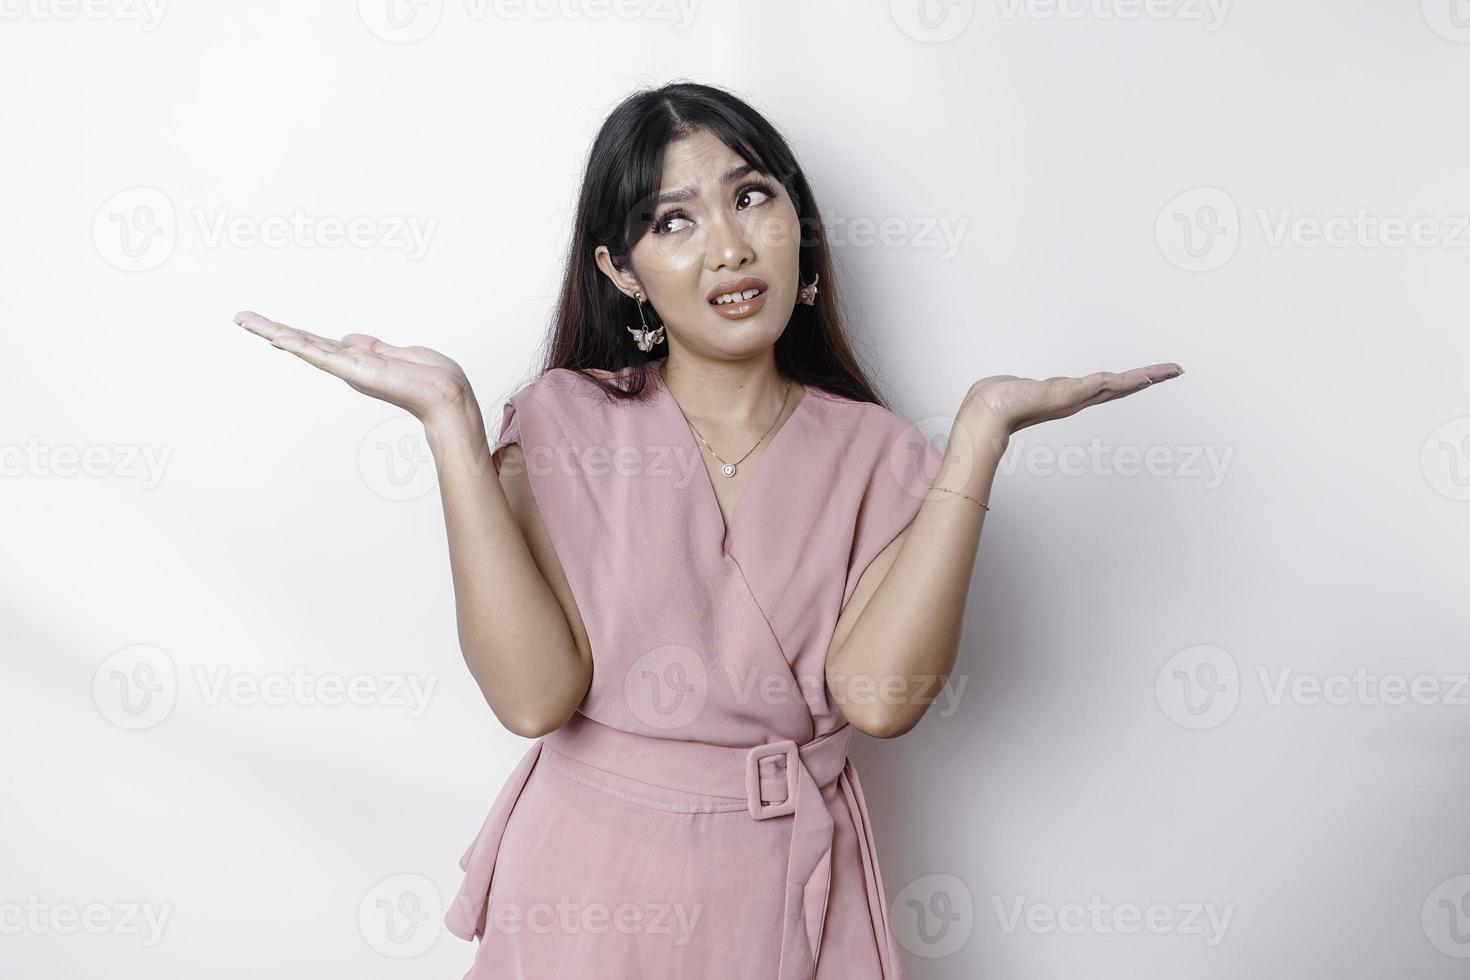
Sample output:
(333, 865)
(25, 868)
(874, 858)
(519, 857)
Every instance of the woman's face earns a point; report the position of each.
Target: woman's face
(718, 227)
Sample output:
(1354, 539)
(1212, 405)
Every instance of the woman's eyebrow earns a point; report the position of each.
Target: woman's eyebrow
(685, 193)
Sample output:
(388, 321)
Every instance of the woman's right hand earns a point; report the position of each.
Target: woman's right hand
(418, 380)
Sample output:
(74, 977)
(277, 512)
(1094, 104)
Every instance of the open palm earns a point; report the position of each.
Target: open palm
(418, 380)
(1016, 403)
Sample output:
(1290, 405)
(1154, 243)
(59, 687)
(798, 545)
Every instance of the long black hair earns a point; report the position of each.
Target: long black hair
(621, 178)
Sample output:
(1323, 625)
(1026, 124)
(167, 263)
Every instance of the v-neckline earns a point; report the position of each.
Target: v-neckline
(728, 526)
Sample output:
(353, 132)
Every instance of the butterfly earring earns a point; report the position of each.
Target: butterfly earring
(808, 292)
(647, 339)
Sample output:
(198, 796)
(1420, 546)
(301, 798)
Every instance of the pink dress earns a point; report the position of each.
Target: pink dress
(698, 816)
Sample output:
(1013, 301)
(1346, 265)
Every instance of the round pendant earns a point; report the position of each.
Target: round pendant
(729, 469)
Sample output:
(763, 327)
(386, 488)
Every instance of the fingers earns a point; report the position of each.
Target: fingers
(273, 331)
(371, 344)
(1070, 395)
(347, 363)
(1106, 385)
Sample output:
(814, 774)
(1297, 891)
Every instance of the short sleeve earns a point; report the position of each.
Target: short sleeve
(510, 428)
(903, 468)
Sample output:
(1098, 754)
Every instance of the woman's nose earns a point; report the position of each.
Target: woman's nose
(728, 244)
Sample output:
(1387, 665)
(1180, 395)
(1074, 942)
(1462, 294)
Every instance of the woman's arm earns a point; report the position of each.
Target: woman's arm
(897, 637)
(519, 628)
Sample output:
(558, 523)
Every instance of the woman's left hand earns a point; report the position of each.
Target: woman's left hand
(1009, 403)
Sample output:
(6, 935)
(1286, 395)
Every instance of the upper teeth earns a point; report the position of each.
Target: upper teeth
(736, 297)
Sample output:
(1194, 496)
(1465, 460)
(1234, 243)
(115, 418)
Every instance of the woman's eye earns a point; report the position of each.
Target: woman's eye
(663, 225)
(762, 195)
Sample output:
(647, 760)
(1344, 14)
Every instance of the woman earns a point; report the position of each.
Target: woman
(692, 652)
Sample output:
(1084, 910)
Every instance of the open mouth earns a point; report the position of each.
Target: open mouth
(742, 297)
(736, 293)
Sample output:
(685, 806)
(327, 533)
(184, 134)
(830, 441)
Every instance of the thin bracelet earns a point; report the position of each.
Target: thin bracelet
(965, 495)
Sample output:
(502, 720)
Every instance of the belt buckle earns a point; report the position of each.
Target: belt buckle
(764, 811)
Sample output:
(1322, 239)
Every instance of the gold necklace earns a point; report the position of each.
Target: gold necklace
(728, 469)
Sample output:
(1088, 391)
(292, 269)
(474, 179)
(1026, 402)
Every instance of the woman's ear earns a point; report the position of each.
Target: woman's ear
(624, 279)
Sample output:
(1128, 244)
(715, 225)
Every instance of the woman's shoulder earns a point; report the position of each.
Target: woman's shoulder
(841, 413)
(560, 382)
(571, 398)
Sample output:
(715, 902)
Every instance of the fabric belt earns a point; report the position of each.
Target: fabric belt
(777, 779)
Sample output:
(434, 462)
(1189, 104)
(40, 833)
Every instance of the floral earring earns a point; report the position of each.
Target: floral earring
(808, 292)
(647, 339)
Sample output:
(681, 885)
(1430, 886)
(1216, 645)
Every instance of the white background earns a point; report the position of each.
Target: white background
(1068, 150)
